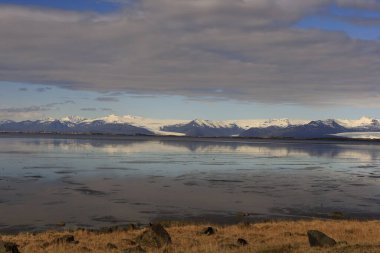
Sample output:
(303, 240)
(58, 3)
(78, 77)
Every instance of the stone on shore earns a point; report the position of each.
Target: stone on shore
(8, 247)
(111, 246)
(242, 242)
(209, 231)
(155, 237)
(64, 239)
(319, 239)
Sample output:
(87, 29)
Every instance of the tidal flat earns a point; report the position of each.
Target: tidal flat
(93, 182)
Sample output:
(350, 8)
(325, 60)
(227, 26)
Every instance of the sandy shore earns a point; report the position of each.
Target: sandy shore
(267, 237)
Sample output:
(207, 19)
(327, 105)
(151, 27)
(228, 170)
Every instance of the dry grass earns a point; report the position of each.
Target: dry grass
(269, 237)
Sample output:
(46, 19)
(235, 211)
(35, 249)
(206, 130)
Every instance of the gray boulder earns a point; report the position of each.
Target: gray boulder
(64, 239)
(209, 231)
(319, 239)
(242, 242)
(155, 236)
(8, 247)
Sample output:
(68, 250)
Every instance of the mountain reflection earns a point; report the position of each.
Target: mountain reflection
(268, 148)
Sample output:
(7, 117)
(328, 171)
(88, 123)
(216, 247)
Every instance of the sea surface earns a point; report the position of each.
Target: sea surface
(98, 182)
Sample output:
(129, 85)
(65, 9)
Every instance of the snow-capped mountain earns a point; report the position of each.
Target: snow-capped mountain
(364, 123)
(315, 129)
(247, 124)
(134, 125)
(73, 126)
(199, 127)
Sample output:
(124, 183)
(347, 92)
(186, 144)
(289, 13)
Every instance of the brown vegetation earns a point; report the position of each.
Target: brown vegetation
(268, 237)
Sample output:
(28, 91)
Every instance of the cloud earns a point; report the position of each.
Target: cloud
(35, 108)
(21, 113)
(30, 112)
(53, 105)
(246, 50)
(88, 109)
(43, 89)
(24, 109)
(107, 99)
(23, 89)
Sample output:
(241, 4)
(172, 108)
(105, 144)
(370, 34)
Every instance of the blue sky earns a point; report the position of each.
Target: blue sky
(93, 58)
(86, 103)
(70, 5)
(335, 18)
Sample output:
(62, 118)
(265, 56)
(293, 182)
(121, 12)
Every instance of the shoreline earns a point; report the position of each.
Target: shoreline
(262, 237)
(215, 219)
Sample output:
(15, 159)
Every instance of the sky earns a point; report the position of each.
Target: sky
(186, 59)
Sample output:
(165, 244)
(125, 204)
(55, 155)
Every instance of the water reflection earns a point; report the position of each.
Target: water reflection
(273, 148)
(101, 182)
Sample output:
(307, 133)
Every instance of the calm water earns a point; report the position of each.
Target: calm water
(94, 183)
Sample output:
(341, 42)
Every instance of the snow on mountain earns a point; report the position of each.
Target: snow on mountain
(153, 125)
(313, 129)
(246, 124)
(213, 124)
(364, 122)
(74, 125)
(331, 123)
(72, 119)
(199, 127)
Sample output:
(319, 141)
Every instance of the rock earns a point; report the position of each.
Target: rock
(111, 246)
(120, 228)
(209, 231)
(319, 239)
(136, 249)
(155, 236)
(64, 239)
(242, 242)
(8, 247)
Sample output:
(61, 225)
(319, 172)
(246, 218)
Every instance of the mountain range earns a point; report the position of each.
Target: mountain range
(132, 125)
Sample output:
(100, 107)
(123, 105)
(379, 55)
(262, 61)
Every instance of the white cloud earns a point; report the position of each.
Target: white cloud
(22, 113)
(240, 49)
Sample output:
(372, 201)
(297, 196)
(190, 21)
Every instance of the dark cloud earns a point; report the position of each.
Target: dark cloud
(24, 109)
(107, 99)
(106, 109)
(51, 105)
(35, 108)
(43, 89)
(115, 94)
(88, 109)
(227, 49)
(23, 89)
(30, 112)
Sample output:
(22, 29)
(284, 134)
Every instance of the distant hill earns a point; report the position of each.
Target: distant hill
(208, 128)
(57, 126)
(132, 125)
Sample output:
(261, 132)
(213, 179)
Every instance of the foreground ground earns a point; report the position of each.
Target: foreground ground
(268, 237)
